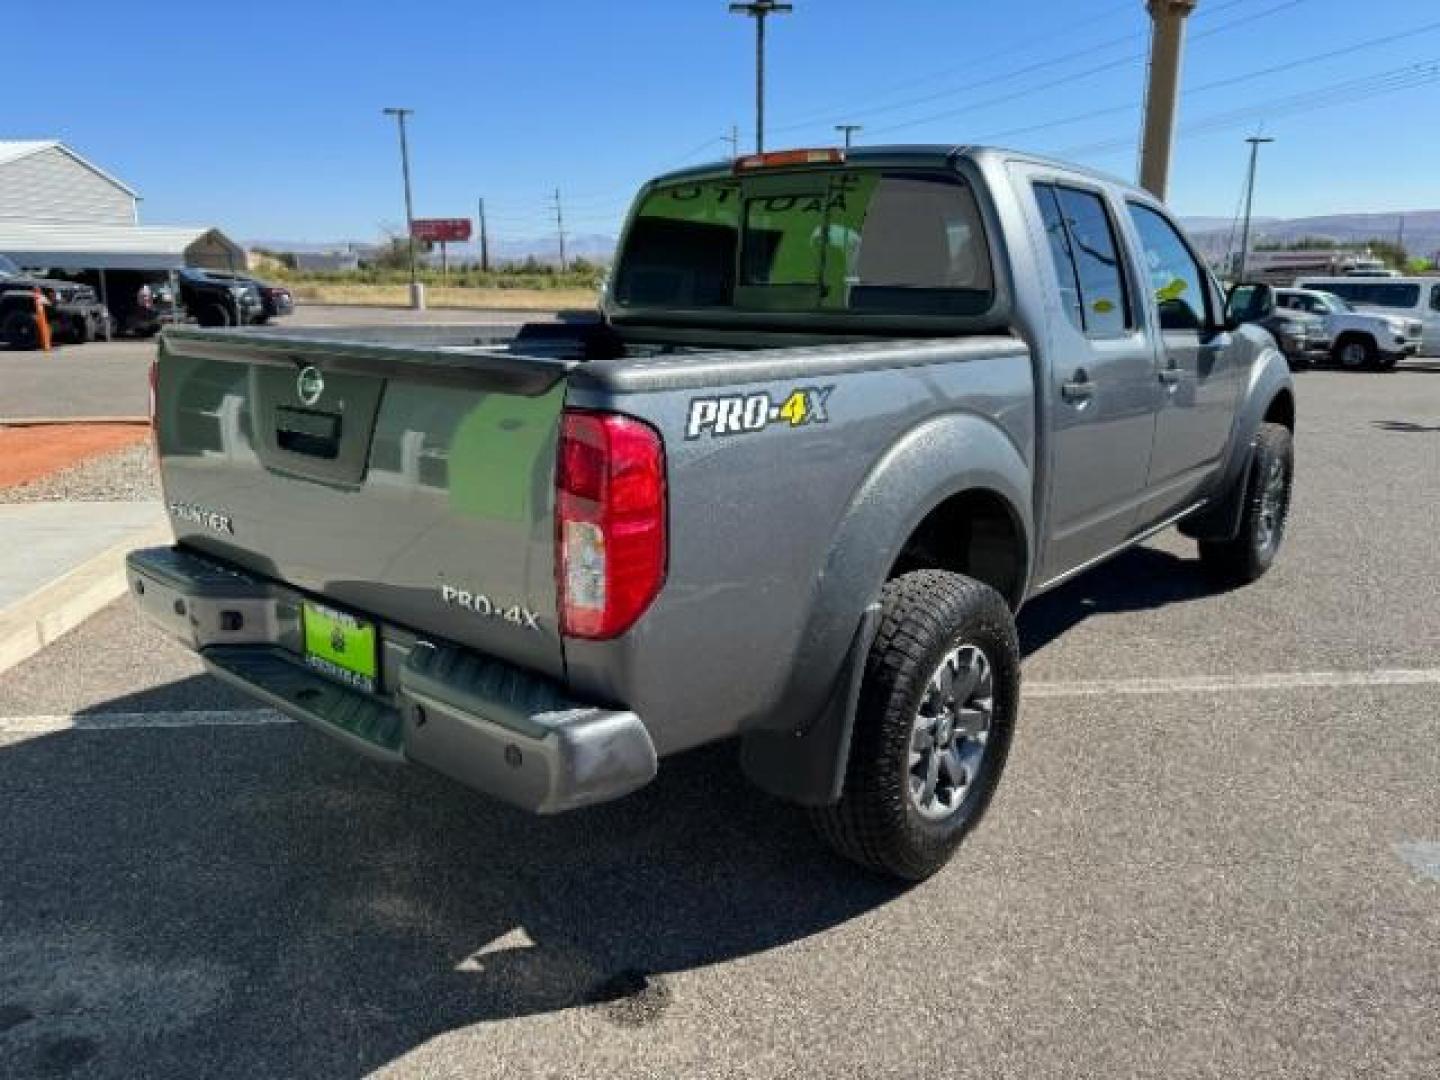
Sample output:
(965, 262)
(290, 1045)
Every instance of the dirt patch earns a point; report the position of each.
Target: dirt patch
(30, 453)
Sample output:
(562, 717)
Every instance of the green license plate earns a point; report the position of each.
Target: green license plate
(340, 646)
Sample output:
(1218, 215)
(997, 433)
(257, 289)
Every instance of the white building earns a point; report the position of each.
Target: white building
(59, 211)
(44, 180)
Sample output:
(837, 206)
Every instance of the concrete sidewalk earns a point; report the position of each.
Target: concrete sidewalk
(60, 562)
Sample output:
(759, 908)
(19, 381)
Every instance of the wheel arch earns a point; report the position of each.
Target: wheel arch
(952, 493)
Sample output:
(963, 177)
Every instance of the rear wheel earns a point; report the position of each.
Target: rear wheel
(932, 728)
(1249, 554)
(20, 330)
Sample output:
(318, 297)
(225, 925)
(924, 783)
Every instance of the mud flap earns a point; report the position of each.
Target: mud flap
(807, 766)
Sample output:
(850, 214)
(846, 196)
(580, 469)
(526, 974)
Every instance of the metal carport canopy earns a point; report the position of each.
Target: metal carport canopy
(59, 245)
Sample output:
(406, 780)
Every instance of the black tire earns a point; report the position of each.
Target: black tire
(1262, 525)
(925, 616)
(1388, 361)
(1361, 350)
(20, 330)
(214, 315)
(80, 331)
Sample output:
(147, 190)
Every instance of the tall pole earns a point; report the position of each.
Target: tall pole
(760, 10)
(484, 241)
(416, 300)
(848, 130)
(560, 228)
(1167, 46)
(1255, 142)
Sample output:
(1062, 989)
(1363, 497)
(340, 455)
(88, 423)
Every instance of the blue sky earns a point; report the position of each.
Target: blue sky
(265, 118)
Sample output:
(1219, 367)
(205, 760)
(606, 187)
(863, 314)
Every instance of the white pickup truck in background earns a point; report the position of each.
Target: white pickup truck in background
(1354, 338)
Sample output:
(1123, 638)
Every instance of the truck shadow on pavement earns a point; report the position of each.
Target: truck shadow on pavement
(1138, 580)
(265, 902)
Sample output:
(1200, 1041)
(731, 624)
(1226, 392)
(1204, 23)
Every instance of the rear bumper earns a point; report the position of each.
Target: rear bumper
(494, 727)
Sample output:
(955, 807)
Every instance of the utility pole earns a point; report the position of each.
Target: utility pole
(734, 140)
(848, 130)
(417, 294)
(760, 10)
(560, 228)
(1167, 46)
(484, 241)
(1255, 142)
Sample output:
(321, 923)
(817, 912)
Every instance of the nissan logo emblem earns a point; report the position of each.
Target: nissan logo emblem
(309, 384)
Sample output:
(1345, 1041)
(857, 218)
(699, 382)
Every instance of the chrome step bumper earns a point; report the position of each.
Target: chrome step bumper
(492, 726)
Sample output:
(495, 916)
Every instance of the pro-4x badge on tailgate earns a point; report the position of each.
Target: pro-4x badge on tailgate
(735, 414)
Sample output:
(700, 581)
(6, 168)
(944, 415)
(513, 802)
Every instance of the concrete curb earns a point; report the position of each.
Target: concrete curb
(55, 421)
(30, 624)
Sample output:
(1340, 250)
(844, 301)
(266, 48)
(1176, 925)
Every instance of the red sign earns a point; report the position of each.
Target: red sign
(441, 230)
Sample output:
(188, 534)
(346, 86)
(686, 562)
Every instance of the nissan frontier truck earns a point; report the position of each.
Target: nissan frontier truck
(841, 415)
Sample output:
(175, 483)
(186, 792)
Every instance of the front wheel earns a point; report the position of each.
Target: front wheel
(20, 330)
(1250, 553)
(1355, 353)
(932, 728)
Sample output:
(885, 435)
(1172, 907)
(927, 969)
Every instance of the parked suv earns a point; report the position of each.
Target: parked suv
(217, 299)
(1300, 334)
(275, 300)
(1353, 338)
(73, 311)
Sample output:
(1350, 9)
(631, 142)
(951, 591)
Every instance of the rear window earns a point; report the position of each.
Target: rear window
(1375, 293)
(859, 241)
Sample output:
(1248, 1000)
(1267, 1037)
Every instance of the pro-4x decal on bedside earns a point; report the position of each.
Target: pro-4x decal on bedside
(736, 414)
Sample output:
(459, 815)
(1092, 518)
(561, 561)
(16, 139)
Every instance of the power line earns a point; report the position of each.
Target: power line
(1098, 69)
(1359, 89)
(1040, 65)
(1231, 80)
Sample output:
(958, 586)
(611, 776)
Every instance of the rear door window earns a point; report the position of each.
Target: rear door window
(1082, 244)
(1435, 298)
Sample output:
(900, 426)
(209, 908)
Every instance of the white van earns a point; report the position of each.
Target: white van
(1415, 297)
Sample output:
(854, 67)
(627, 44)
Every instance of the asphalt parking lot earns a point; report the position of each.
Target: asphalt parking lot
(1216, 851)
(107, 379)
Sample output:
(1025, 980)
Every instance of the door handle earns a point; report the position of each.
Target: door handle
(1170, 377)
(1079, 389)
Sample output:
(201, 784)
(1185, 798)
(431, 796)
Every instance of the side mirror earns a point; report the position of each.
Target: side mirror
(1248, 303)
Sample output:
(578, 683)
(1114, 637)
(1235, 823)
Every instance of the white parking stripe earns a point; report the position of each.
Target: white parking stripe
(1423, 856)
(1196, 684)
(46, 725)
(1219, 684)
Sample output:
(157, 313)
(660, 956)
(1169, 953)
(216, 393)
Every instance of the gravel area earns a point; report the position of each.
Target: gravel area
(123, 476)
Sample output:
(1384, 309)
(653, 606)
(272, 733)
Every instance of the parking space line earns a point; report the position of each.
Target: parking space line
(46, 725)
(1213, 684)
(1422, 856)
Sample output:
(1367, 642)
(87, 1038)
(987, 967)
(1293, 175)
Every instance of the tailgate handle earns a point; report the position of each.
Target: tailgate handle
(308, 431)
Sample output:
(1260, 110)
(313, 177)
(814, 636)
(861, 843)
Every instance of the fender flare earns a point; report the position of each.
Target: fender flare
(1269, 378)
(799, 751)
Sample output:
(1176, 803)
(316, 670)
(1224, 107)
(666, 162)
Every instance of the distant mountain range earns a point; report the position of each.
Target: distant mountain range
(1421, 230)
(593, 246)
(1212, 234)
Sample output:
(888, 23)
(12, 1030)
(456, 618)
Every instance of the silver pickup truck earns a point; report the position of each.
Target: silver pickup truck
(841, 415)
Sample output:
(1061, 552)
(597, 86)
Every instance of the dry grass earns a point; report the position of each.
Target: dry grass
(482, 299)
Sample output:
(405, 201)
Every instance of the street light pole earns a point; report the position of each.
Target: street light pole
(1255, 142)
(848, 130)
(417, 296)
(760, 10)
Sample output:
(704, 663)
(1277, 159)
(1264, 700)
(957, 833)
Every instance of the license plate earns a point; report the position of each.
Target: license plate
(340, 646)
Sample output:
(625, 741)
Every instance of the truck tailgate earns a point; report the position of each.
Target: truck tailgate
(409, 484)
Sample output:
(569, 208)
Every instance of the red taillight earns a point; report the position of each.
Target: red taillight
(609, 522)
